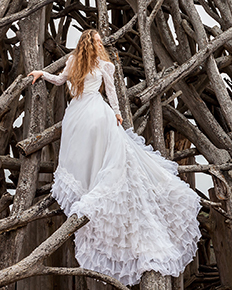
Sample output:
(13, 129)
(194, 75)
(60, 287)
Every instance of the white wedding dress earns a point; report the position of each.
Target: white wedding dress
(142, 216)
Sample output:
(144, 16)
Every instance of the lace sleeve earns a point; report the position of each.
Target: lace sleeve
(107, 73)
(61, 78)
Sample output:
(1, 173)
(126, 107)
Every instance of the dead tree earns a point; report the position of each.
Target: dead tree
(173, 79)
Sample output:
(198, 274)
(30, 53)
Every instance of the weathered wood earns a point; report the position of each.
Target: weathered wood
(172, 144)
(173, 48)
(9, 95)
(220, 237)
(178, 283)
(84, 272)
(5, 200)
(155, 281)
(5, 135)
(118, 76)
(154, 12)
(218, 207)
(15, 221)
(33, 263)
(192, 100)
(121, 90)
(163, 84)
(4, 7)
(204, 146)
(150, 280)
(11, 163)
(121, 32)
(204, 167)
(24, 13)
(13, 8)
(38, 141)
(212, 70)
(15, 89)
(45, 189)
(178, 155)
(151, 75)
(26, 186)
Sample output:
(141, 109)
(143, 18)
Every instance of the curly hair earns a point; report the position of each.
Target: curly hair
(85, 60)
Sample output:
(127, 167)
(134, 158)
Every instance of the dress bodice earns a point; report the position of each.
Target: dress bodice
(92, 83)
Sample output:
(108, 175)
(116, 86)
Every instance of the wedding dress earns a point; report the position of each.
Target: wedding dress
(142, 216)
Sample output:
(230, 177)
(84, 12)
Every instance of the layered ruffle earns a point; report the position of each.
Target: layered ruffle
(169, 165)
(136, 224)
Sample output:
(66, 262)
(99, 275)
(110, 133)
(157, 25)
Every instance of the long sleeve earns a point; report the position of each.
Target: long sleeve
(108, 69)
(60, 79)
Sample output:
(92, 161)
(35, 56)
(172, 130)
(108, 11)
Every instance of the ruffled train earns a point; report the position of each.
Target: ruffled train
(144, 220)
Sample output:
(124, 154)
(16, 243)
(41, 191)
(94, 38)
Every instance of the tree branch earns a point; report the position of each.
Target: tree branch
(202, 143)
(20, 84)
(5, 201)
(38, 141)
(11, 163)
(9, 95)
(203, 167)
(24, 13)
(178, 155)
(163, 84)
(121, 32)
(216, 206)
(83, 272)
(15, 221)
(32, 264)
(154, 12)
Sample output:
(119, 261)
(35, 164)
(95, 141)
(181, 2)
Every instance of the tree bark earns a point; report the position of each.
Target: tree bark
(29, 168)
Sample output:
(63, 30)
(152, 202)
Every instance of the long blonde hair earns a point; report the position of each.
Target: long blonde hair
(85, 60)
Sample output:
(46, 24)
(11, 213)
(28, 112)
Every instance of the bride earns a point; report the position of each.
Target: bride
(142, 216)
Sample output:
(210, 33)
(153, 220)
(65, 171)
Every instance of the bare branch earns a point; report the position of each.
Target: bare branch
(4, 7)
(188, 29)
(204, 167)
(172, 98)
(5, 201)
(204, 146)
(217, 207)
(140, 111)
(178, 155)
(25, 12)
(143, 124)
(121, 32)
(31, 265)
(213, 73)
(154, 12)
(30, 214)
(84, 272)
(9, 95)
(221, 188)
(209, 203)
(151, 75)
(38, 141)
(11, 163)
(211, 12)
(172, 144)
(20, 84)
(162, 85)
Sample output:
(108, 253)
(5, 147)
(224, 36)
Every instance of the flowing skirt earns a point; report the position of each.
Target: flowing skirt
(142, 216)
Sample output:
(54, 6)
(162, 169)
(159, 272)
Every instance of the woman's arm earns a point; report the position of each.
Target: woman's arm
(108, 77)
(54, 79)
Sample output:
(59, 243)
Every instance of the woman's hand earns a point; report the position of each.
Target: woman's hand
(119, 119)
(36, 74)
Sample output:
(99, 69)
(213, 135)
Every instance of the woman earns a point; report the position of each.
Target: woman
(142, 216)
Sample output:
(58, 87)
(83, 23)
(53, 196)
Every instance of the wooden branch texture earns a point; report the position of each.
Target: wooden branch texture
(173, 77)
